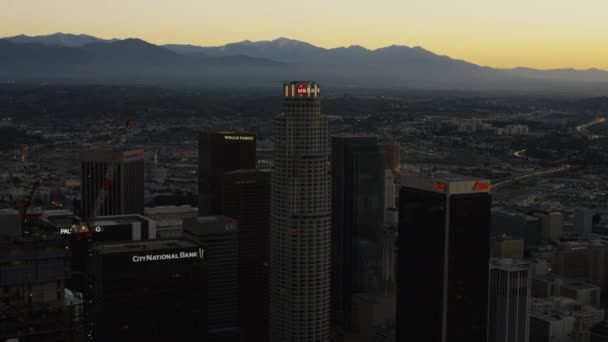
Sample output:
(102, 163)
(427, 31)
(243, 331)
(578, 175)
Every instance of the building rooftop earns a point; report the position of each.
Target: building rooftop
(509, 264)
(4, 212)
(120, 219)
(242, 171)
(108, 155)
(557, 306)
(205, 225)
(364, 136)
(57, 212)
(169, 209)
(450, 184)
(566, 282)
(133, 246)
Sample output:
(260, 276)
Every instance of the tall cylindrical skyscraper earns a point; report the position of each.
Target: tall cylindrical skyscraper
(300, 219)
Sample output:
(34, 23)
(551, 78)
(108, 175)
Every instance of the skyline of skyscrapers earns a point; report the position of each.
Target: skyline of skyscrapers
(300, 219)
(319, 247)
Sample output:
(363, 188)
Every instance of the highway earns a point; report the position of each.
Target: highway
(582, 129)
(519, 154)
(503, 181)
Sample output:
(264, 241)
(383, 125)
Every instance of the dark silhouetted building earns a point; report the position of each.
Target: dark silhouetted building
(246, 198)
(599, 332)
(115, 228)
(357, 169)
(219, 234)
(515, 224)
(300, 233)
(10, 223)
(442, 268)
(32, 283)
(126, 192)
(220, 152)
(147, 291)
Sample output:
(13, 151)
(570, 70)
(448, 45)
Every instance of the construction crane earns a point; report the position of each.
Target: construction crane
(26, 213)
(26, 210)
(106, 184)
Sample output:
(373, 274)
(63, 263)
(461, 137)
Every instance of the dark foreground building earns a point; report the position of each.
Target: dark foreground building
(357, 169)
(442, 277)
(116, 228)
(220, 152)
(246, 198)
(32, 283)
(599, 332)
(147, 291)
(219, 234)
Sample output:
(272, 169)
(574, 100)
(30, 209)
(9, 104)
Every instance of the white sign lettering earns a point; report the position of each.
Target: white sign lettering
(170, 256)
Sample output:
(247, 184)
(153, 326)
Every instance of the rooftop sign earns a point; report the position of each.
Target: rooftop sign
(481, 186)
(169, 256)
(238, 137)
(303, 89)
(439, 187)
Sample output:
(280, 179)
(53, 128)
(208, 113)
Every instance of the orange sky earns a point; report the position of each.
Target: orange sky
(500, 33)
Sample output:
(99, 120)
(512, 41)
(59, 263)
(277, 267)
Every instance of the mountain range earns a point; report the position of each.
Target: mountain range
(83, 58)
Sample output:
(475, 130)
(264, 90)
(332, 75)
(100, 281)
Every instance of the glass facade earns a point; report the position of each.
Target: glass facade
(443, 266)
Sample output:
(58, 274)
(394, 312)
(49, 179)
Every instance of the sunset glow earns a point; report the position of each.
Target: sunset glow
(541, 33)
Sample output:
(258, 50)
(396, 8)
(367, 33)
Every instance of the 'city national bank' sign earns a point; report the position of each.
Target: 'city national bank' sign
(170, 256)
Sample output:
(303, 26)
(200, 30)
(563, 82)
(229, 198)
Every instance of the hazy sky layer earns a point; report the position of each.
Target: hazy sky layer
(499, 33)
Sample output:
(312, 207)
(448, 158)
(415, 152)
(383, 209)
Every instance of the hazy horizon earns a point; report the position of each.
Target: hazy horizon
(295, 39)
(543, 34)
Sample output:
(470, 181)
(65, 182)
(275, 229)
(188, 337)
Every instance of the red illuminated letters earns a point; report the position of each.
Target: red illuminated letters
(440, 187)
(302, 90)
(479, 186)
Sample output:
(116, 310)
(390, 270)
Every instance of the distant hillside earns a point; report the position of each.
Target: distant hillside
(58, 39)
(82, 58)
